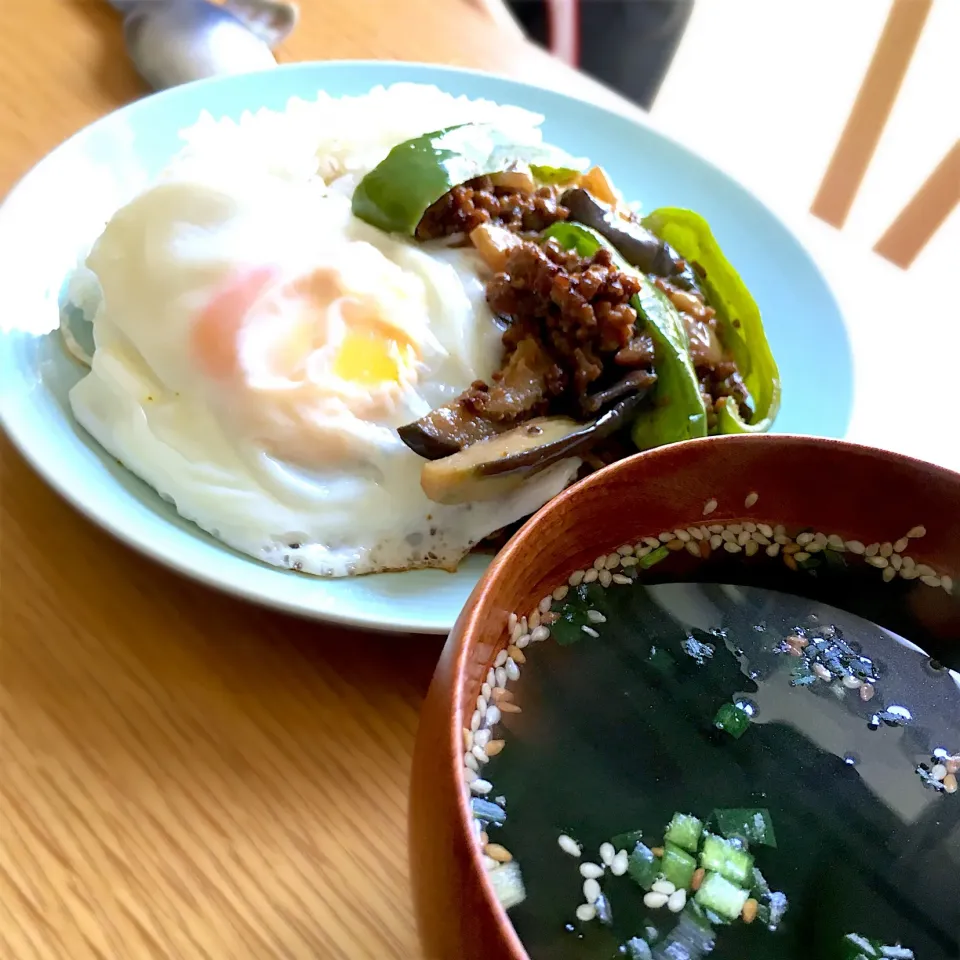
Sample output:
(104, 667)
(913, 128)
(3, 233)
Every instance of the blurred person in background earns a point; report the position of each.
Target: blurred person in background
(627, 44)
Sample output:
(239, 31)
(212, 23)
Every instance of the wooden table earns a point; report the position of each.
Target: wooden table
(184, 775)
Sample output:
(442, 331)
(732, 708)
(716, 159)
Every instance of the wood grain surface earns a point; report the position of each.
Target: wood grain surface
(184, 775)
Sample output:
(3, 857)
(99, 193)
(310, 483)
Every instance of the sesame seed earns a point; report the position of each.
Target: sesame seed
(938, 772)
(605, 578)
(925, 571)
(909, 562)
(773, 549)
(501, 677)
(889, 574)
(545, 604)
(560, 593)
(872, 550)
(749, 526)
(666, 536)
(695, 532)
(886, 549)
(595, 616)
(481, 787)
(675, 545)
(475, 720)
(480, 754)
(480, 738)
(896, 561)
(625, 550)
(591, 890)
(761, 538)
(492, 716)
(744, 538)
(494, 747)
(621, 579)
(801, 555)
(716, 528)
(728, 536)
(620, 863)
(950, 783)
(501, 659)
(569, 845)
(540, 634)
(535, 619)
(947, 583)
(523, 641)
(835, 542)
(704, 549)
(516, 654)
(629, 562)
(820, 539)
(693, 548)
(651, 542)
(590, 870)
(499, 695)
(705, 532)
(681, 534)
(822, 672)
(575, 578)
(814, 547)
(655, 900)
(642, 551)
(607, 853)
(486, 690)
(914, 533)
(471, 761)
(779, 529)
(600, 563)
(867, 691)
(732, 547)
(909, 573)
(513, 671)
(613, 561)
(508, 707)
(901, 545)
(498, 852)
(751, 500)
(789, 562)
(751, 548)
(590, 575)
(519, 630)
(877, 561)
(511, 622)
(765, 529)
(663, 886)
(749, 912)
(489, 863)
(715, 541)
(589, 631)
(931, 581)
(709, 507)
(735, 528)
(677, 901)
(804, 538)
(468, 738)
(491, 677)
(586, 912)
(851, 682)
(856, 546)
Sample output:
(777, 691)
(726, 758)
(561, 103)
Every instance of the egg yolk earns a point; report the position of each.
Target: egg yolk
(307, 331)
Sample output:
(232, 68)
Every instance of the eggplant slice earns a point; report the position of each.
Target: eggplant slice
(498, 465)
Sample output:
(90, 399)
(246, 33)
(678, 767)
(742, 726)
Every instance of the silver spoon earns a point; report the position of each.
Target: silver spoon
(175, 41)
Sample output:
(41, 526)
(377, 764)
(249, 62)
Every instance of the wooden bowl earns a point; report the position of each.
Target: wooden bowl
(857, 492)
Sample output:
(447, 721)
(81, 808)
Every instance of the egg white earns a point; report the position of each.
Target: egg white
(272, 479)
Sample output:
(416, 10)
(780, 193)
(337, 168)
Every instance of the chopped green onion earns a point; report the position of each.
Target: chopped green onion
(628, 840)
(684, 830)
(655, 556)
(719, 894)
(727, 859)
(643, 867)
(678, 866)
(751, 823)
(732, 719)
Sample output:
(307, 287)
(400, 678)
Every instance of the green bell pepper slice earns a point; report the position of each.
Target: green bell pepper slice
(679, 412)
(415, 174)
(741, 326)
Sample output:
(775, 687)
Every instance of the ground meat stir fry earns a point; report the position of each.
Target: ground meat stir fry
(577, 307)
(479, 201)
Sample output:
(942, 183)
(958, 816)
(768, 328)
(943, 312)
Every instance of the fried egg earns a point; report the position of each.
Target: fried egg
(256, 349)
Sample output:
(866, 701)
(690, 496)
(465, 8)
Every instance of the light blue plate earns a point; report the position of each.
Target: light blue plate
(62, 205)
